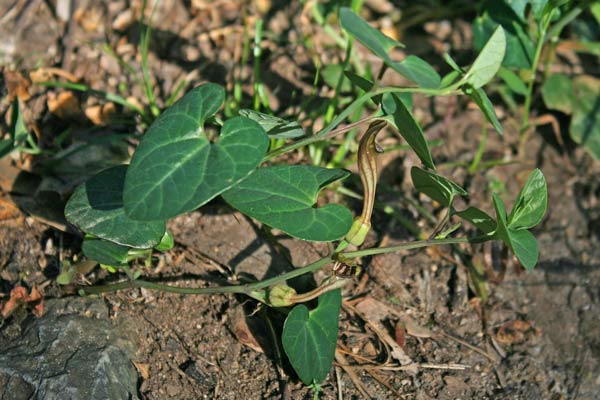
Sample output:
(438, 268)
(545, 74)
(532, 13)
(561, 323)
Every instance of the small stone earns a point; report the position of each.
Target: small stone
(173, 390)
(123, 20)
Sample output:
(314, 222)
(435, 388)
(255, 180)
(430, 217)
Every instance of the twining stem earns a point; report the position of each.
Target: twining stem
(253, 289)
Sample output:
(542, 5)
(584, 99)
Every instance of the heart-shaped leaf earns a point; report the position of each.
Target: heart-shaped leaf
(96, 207)
(531, 203)
(283, 197)
(309, 337)
(412, 67)
(488, 61)
(104, 252)
(439, 188)
(176, 168)
(275, 127)
(410, 130)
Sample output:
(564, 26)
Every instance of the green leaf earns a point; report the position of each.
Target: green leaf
(388, 102)
(439, 188)
(450, 61)
(309, 337)
(525, 247)
(104, 252)
(6, 146)
(359, 81)
(513, 81)
(501, 220)
(479, 218)
(521, 242)
(585, 123)
(486, 107)
(531, 203)
(96, 207)
(166, 243)
(176, 168)
(519, 47)
(18, 130)
(283, 197)
(276, 128)
(488, 61)
(557, 92)
(411, 131)
(412, 67)
(331, 74)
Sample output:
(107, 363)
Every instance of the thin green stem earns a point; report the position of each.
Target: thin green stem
(532, 72)
(415, 245)
(477, 159)
(253, 289)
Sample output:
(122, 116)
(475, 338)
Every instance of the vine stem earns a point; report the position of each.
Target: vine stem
(253, 289)
(329, 131)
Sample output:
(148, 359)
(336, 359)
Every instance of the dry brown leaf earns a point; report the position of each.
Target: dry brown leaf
(374, 312)
(48, 74)
(8, 210)
(400, 334)
(17, 85)
(514, 332)
(63, 105)
(19, 297)
(143, 369)
(100, 114)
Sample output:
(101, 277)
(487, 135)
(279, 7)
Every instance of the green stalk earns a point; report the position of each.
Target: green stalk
(253, 289)
(257, 58)
(477, 159)
(545, 23)
(145, 45)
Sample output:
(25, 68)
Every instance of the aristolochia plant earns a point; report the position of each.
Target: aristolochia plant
(176, 168)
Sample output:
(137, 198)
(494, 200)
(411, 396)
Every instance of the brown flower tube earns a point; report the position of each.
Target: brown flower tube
(367, 168)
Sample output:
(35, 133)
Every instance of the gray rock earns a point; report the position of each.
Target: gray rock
(72, 352)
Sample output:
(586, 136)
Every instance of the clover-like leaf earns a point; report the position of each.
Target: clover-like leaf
(521, 242)
(410, 130)
(412, 67)
(488, 61)
(176, 168)
(96, 207)
(309, 337)
(531, 203)
(439, 188)
(275, 127)
(479, 218)
(283, 197)
(104, 252)
(525, 247)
